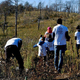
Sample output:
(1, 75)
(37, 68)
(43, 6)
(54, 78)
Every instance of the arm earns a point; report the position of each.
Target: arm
(67, 36)
(41, 42)
(75, 37)
(53, 35)
(35, 46)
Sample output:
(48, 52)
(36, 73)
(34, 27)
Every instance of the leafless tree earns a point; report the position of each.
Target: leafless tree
(26, 5)
(40, 7)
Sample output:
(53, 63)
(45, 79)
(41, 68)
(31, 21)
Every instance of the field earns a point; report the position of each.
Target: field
(27, 30)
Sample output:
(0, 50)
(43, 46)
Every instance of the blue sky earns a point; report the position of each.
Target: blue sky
(35, 2)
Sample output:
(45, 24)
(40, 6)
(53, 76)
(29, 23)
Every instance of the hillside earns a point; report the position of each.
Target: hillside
(27, 30)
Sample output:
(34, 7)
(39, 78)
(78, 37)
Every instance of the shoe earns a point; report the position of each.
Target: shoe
(59, 70)
(56, 68)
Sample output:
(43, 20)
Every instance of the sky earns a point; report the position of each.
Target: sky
(35, 2)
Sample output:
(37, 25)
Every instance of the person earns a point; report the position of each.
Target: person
(60, 36)
(77, 38)
(49, 31)
(12, 47)
(42, 52)
(50, 44)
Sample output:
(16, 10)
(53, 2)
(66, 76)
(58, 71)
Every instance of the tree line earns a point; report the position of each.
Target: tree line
(8, 6)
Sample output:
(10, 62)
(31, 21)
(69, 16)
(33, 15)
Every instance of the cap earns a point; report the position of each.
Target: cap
(49, 28)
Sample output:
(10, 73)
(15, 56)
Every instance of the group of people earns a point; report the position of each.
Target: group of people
(52, 44)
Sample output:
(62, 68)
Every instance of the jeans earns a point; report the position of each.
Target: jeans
(58, 51)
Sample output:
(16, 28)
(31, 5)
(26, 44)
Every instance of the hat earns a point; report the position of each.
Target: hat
(49, 28)
(78, 27)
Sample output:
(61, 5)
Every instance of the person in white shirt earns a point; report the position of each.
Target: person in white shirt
(12, 47)
(50, 44)
(60, 36)
(77, 38)
(42, 51)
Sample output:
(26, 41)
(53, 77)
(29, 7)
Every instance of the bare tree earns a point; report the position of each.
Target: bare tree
(26, 5)
(5, 9)
(79, 6)
(40, 7)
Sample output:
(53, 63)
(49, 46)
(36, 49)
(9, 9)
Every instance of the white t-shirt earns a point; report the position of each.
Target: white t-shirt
(12, 41)
(77, 34)
(50, 45)
(59, 31)
(42, 49)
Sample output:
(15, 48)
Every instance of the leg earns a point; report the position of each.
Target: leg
(52, 55)
(19, 59)
(44, 58)
(77, 48)
(61, 52)
(16, 53)
(60, 61)
(56, 52)
(8, 53)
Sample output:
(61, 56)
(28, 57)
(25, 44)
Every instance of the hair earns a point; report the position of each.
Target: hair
(78, 27)
(43, 39)
(50, 36)
(41, 35)
(59, 21)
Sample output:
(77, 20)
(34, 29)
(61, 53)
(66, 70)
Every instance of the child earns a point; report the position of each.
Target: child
(49, 31)
(43, 49)
(77, 38)
(50, 44)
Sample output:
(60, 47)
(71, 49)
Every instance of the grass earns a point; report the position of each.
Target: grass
(28, 31)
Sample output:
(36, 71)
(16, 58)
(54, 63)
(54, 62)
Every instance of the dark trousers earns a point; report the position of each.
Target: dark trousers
(14, 50)
(50, 55)
(78, 47)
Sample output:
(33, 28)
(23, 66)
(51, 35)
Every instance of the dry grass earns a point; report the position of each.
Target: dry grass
(28, 31)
